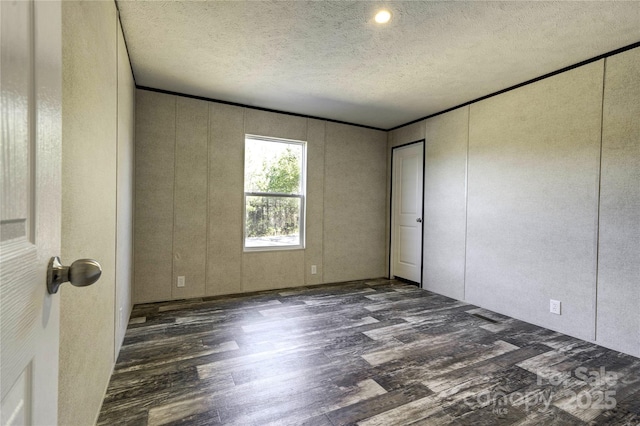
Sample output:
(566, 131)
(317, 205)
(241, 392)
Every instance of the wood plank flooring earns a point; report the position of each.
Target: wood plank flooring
(374, 352)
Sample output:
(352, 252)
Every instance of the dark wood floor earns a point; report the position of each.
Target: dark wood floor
(375, 352)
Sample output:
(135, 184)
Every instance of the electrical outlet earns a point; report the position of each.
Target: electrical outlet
(554, 306)
(181, 281)
(314, 270)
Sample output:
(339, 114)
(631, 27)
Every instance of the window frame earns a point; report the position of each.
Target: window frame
(302, 196)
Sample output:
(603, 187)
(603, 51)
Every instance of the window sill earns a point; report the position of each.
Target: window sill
(271, 248)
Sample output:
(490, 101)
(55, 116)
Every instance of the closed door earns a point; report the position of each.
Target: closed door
(29, 210)
(406, 214)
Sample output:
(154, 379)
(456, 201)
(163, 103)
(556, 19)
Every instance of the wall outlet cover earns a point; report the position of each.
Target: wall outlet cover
(555, 307)
(181, 281)
(314, 270)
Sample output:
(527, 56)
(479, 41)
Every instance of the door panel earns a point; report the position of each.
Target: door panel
(406, 246)
(30, 212)
(406, 216)
(408, 188)
(16, 405)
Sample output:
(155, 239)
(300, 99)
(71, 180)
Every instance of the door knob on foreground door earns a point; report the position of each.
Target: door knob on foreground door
(419, 220)
(81, 273)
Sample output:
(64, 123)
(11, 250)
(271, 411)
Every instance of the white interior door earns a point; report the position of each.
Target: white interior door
(406, 214)
(30, 209)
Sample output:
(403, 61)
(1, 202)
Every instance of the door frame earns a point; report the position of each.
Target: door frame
(424, 156)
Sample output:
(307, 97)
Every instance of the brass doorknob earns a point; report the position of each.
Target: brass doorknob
(81, 273)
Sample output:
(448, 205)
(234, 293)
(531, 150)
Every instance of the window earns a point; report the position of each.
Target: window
(274, 193)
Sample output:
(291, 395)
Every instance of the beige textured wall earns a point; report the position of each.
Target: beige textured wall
(90, 166)
(619, 255)
(125, 174)
(314, 252)
(189, 200)
(534, 156)
(407, 134)
(445, 203)
(354, 203)
(154, 180)
(226, 163)
(534, 229)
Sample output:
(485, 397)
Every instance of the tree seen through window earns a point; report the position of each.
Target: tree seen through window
(274, 193)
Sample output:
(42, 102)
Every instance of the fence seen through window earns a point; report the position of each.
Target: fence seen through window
(274, 193)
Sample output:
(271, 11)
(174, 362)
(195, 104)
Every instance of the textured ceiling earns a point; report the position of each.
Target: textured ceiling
(330, 59)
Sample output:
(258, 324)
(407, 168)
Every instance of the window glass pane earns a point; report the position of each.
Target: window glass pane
(272, 167)
(272, 221)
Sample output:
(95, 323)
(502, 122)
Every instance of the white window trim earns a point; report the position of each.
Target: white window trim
(302, 197)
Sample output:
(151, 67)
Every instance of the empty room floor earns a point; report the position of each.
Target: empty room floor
(372, 352)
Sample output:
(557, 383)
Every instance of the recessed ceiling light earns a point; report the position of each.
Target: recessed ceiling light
(383, 17)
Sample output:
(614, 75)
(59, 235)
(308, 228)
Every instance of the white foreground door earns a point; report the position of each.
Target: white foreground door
(29, 209)
(406, 229)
